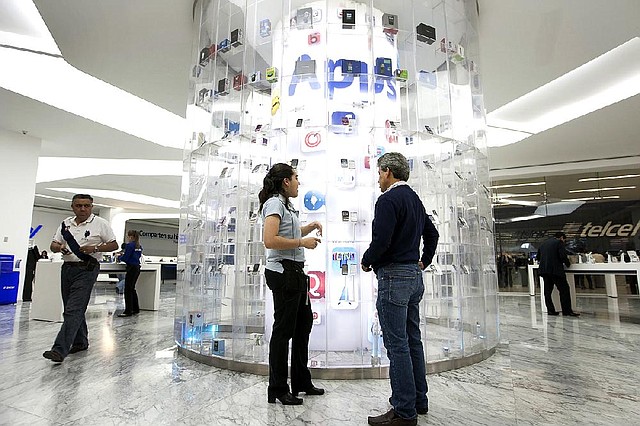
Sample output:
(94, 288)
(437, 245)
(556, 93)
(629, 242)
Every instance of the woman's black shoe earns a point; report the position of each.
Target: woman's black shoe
(310, 391)
(285, 399)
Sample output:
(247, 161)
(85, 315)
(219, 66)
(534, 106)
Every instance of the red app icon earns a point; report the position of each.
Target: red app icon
(316, 286)
(314, 38)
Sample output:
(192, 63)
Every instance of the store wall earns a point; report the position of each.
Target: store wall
(44, 223)
(157, 240)
(18, 167)
(592, 227)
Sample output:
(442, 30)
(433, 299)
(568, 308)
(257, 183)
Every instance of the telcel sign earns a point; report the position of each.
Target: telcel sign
(610, 230)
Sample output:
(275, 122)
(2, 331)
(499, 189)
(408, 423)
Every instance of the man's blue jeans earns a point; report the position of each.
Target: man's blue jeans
(400, 289)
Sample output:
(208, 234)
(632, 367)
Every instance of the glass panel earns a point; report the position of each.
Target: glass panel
(327, 87)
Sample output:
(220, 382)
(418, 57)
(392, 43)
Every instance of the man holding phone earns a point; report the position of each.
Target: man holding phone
(81, 239)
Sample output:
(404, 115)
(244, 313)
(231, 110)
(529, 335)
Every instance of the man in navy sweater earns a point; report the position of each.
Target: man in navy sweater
(394, 255)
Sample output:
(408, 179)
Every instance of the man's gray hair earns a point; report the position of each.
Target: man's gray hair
(395, 162)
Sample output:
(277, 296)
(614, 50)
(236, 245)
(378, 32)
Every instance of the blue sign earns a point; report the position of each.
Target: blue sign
(348, 77)
(33, 232)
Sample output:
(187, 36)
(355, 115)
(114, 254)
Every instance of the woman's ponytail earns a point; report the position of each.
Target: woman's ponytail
(272, 182)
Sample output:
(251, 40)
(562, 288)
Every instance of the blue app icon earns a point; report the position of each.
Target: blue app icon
(313, 200)
(342, 118)
(265, 28)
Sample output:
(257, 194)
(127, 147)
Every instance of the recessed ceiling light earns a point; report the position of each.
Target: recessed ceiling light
(67, 88)
(122, 196)
(28, 30)
(607, 178)
(530, 194)
(608, 197)
(49, 197)
(516, 185)
(519, 219)
(58, 168)
(613, 188)
(505, 201)
(603, 81)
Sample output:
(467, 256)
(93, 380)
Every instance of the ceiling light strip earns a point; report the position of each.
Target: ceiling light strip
(603, 81)
(608, 197)
(614, 188)
(608, 178)
(517, 185)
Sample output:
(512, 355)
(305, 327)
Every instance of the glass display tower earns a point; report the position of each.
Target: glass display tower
(329, 86)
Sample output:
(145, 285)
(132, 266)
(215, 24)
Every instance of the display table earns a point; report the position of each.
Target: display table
(47, 302)
(609, 270)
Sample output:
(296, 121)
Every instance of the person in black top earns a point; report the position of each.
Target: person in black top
(399, 224)
(552, 257)
(131, 256)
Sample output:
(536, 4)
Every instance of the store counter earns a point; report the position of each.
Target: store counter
(47, 301)
(609, 270)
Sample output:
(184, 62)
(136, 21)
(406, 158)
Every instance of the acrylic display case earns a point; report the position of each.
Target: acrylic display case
(329, 86)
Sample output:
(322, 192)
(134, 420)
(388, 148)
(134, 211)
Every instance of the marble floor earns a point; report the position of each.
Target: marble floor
(546, 371)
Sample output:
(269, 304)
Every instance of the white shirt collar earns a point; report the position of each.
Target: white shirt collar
(74, 221)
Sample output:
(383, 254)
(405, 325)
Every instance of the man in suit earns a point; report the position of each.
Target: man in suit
(552, 257)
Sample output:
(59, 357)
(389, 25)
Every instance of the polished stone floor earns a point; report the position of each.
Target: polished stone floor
(546, 371)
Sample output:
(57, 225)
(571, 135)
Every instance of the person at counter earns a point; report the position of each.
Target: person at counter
(81, 239)
(552, 257)
(131, 256)
(285, 277)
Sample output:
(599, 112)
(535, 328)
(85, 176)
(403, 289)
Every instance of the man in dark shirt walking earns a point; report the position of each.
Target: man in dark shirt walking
(552, 257)
(394, 255)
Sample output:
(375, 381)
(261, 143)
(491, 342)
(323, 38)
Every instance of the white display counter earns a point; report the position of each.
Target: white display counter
(47, 301)
(609, 270)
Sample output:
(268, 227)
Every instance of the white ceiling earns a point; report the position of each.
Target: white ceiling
(145, 48)
(526, 44)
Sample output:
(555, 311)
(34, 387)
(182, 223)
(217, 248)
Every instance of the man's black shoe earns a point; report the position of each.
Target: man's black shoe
(74, 349)
(391, 418)
(571, 314)
(53, 356)
(555, 314)
(285, 399)
(310, 391)
(125, 314)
